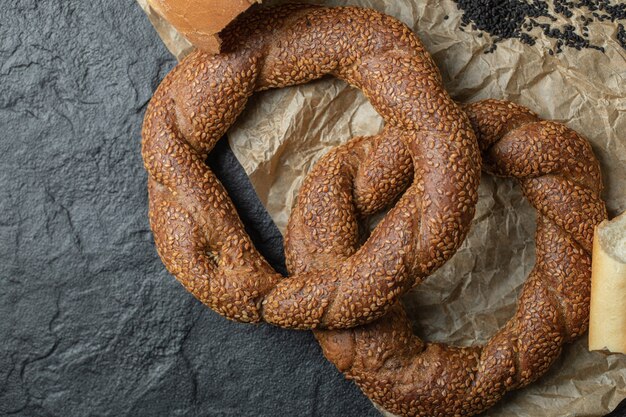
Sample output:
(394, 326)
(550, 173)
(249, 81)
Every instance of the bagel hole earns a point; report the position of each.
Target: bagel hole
(256, 220)
(367, 224)
(475, 293)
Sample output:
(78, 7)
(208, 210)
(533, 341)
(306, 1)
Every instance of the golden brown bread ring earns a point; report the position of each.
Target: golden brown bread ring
(196, 228)
(560, 176)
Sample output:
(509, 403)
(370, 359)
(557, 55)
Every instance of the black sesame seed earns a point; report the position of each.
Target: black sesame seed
(621, 35)
(516, 19)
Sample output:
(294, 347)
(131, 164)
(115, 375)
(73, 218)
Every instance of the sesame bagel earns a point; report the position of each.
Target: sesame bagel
(427, 140)
(560, 176)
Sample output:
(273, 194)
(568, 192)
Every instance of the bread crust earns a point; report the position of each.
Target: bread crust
(200, 21)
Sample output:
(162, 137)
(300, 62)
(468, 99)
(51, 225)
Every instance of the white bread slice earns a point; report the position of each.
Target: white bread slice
(607, 322)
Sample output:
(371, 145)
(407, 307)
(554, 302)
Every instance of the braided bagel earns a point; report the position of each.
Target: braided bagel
(197, 231)
(560, 177)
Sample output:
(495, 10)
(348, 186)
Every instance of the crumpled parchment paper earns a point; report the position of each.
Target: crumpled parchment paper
(282, 133)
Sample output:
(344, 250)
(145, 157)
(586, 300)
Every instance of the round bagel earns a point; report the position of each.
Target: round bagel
(560, 177)
(197, 231)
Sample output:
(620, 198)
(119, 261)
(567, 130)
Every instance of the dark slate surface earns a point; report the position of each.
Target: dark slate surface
(91, 324)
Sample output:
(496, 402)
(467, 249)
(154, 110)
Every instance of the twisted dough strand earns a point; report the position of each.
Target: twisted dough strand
(196, 228)
(560, 176)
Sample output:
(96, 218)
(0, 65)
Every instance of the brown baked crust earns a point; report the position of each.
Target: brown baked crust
(560, 177)
(200, 21)
(427, 138)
